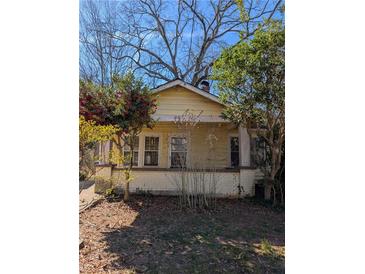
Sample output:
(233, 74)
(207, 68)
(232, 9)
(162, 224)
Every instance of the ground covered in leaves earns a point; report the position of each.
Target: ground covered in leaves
(152, 235)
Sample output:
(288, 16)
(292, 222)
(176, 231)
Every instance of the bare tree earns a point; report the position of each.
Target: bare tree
(182, 38)
(168, 39)
(100, 54)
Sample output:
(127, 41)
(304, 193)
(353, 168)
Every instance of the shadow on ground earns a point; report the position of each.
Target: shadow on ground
(238, 237)
(85, 185)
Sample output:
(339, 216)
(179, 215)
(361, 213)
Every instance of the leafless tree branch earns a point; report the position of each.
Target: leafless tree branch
(165, 39)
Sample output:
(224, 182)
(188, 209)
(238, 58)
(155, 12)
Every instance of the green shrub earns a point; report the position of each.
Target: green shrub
(102, 185)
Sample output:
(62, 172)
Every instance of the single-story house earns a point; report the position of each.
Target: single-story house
(190, 132)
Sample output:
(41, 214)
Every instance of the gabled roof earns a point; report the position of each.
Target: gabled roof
(181, 83)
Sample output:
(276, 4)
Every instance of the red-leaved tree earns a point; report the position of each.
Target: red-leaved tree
(128, 106)
(132, 111)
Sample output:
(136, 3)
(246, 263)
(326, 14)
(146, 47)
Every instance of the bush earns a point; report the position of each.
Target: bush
(102, 185)
(197, 188)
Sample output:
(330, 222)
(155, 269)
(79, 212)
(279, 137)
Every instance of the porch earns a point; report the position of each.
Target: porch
(166, 181)
(214, 148)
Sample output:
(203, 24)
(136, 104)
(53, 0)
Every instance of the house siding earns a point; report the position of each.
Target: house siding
(200, 153)
(177, 100)
(208, 147)
(166, 182)
(160, 182)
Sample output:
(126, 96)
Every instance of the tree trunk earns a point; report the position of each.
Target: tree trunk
(126, 191)
(274, 196)
(275, 162)
(128, 172)
(269, 184)
(281, 195)
(268, 189)
(127, 180)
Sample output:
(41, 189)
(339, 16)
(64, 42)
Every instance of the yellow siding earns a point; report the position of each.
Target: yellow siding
(200, 152)
(178, 99)
(163, 182)
(208, 146)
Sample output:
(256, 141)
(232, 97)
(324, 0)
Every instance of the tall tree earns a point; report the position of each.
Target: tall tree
(251, 78)
(163, 39)
(101, 56)
(133, 111)
(127, 107)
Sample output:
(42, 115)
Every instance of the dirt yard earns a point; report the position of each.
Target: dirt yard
(152, 235)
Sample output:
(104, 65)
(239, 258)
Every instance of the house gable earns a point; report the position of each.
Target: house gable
(177, 97)
(190, 87)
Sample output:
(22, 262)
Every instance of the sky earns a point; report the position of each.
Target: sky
(155, 43)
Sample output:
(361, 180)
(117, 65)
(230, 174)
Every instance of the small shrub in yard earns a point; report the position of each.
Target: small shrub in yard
(105, 187)
(112, 195)
(197, 188)
(101, 185)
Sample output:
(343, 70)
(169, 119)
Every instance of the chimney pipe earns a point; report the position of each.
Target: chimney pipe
(204, 86)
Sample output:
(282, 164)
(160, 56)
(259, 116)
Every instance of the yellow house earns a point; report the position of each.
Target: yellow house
(189, 133)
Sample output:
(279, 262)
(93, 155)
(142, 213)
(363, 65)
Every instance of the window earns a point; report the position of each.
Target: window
(98, 153)
(259, 152)
(127, 152)
(235, 151)
(178, 152)
(151, 151)
(102, 152)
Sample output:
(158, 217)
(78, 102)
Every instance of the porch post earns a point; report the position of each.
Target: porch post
(244, 147)
(247, 175)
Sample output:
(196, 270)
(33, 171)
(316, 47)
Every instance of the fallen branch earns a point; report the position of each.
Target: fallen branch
(92, 203)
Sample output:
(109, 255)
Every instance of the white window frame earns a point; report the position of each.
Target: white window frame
(179, 135)
(159, 148)
(103, 152)
(139, 152)
(229, 160)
